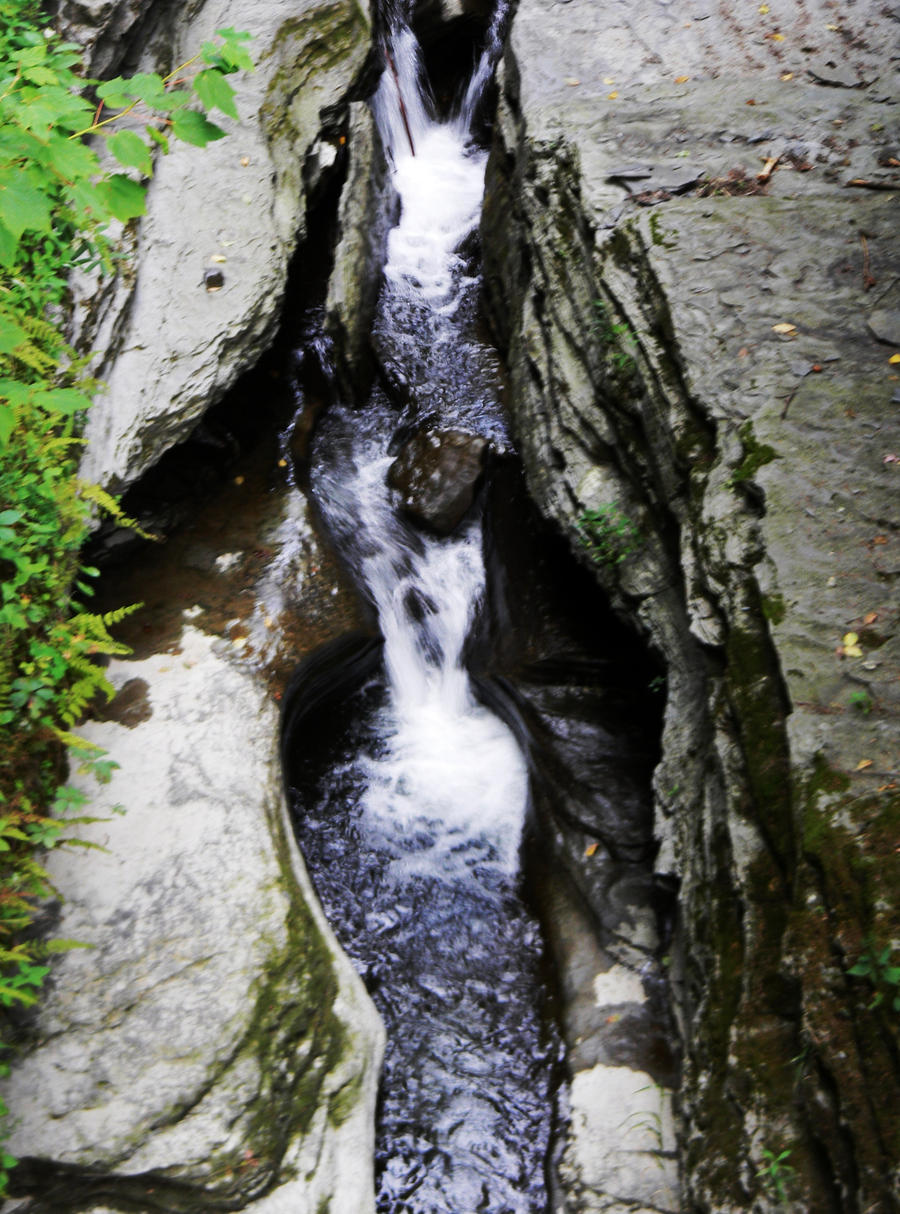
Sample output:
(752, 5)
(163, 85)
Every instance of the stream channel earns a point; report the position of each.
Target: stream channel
(469, 740)
(434, 770)
(411, 823)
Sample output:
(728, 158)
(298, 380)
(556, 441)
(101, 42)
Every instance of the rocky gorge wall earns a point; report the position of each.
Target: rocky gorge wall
(635, 275)
(211, 1047)
(703, 358)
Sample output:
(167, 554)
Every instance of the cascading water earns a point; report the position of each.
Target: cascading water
(413, 829)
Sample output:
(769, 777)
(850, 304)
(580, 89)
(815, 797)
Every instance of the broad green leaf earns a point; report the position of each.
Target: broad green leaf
(113, 93)
(125, 198)
(31, 56)
(194, 128)
(145, 86)
(236, 57)
(15, 392)
(215, 92)
(131, 151)
(70, 158)
(62, 400)
(22, 206)
(174, 99)
(11, 335)
(8, 247)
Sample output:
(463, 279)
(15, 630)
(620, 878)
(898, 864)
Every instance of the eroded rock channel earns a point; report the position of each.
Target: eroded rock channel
(697, 382)
(432, 774)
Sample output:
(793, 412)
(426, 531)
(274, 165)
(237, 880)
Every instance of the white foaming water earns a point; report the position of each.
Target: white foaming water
(449, 791)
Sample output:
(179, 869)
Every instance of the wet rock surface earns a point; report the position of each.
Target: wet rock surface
(708, 361)
(176, 1065)
(211, 1047)
(436, 474)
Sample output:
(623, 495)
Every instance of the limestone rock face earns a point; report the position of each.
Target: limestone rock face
(702, 354)
(173, 346)
(212, 1045)
(436, 474)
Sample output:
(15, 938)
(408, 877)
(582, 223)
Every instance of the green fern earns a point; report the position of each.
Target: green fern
(106, 502)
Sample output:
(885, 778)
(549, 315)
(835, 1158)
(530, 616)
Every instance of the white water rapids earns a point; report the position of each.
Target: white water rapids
(450, 765)
(413, 829)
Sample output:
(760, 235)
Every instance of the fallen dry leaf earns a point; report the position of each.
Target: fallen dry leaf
(895, 358)
(870, 617)
(776, 37)
(239, 480)
(681, 79)
(743, 352)
(863, 764)
(817, 366)
(764, 8)
(784, 327)
(591, 848)
(608, 80)
(613, 95)
(849, 645)
(787, 75)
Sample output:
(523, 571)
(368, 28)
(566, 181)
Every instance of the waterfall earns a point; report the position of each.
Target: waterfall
(430, 794)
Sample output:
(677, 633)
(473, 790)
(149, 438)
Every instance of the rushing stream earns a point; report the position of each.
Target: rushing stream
(412, 821)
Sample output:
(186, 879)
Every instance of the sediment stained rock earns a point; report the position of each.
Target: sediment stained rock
(689, 349)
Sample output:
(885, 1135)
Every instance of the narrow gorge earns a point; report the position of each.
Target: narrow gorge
(508, 820)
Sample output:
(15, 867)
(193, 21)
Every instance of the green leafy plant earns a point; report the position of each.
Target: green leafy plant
(59, 134)
(777, 1175)
(616, 335)
(608, 534)
(861, 701)
(875, 966)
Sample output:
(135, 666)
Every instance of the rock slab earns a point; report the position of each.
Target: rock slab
(172, 347)
(211, 1043)
(690, 346)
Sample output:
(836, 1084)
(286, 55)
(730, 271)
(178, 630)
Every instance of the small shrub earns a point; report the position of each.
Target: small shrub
(777, 1175)
(608, 534)
(875, 966)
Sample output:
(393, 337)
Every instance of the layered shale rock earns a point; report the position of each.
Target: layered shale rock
(174, 340)
(702, 391)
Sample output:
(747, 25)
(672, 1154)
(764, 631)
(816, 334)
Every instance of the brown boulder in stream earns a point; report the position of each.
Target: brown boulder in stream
(437, 473)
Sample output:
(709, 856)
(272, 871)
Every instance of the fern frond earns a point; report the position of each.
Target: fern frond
(77, 743)
(106, 501)
(111, 618)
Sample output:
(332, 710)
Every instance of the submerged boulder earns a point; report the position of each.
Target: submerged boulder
(437, 473)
